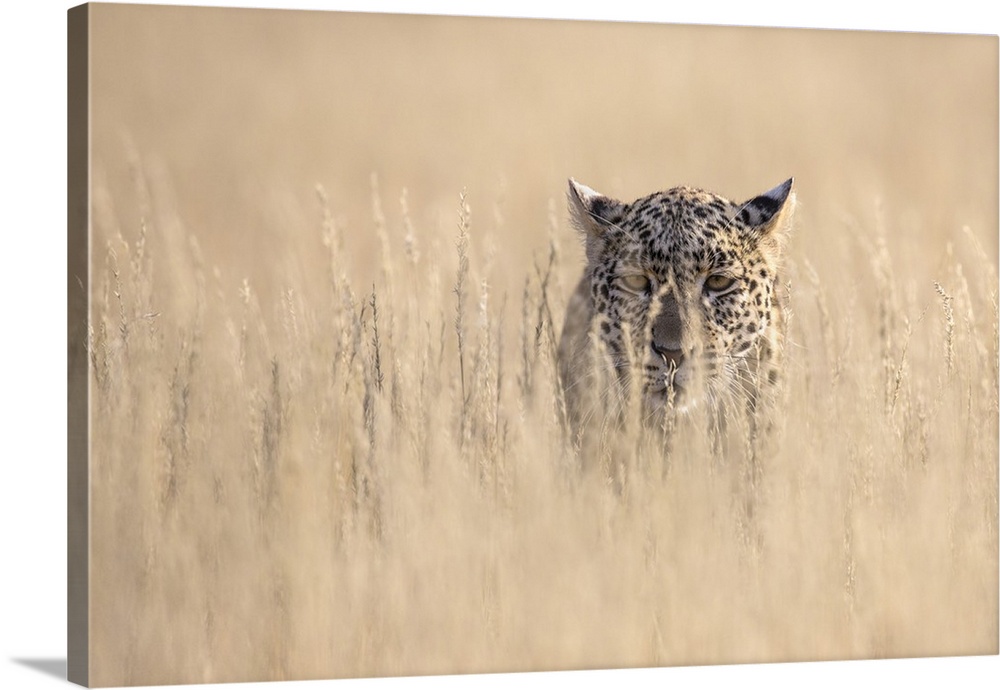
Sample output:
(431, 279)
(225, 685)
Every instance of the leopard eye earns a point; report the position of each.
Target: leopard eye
(718, 282)
(636, 282)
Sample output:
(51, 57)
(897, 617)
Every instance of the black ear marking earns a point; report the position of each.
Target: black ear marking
(761, 210)
(599, 207)
(590, 210)
(765, 206)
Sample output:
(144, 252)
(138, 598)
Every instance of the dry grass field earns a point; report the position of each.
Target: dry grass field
(330, 257)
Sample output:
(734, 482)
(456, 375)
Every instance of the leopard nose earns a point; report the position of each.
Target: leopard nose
(670, 357)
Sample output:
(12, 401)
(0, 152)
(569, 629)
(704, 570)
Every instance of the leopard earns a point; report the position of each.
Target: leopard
(681, 299)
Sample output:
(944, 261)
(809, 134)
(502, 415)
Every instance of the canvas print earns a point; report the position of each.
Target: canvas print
(409, 345)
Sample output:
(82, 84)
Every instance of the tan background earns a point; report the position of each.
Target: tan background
(251, 108)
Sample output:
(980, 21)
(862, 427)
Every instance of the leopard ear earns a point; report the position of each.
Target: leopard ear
(770, 211)
(592, 212)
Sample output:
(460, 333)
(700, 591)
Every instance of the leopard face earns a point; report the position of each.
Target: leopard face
(681, 288)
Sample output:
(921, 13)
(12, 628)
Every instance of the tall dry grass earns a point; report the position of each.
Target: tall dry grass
(362, 479)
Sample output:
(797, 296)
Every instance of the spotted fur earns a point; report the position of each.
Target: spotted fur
(680, 291)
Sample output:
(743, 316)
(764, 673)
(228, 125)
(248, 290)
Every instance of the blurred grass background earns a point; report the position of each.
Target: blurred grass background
(245, 109)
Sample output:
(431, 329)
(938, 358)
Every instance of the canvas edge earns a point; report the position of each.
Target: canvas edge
(78, 287)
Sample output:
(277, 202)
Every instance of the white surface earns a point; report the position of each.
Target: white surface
(33, 486)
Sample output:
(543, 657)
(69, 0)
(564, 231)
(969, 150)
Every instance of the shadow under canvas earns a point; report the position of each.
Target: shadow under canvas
(50, 667)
